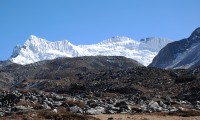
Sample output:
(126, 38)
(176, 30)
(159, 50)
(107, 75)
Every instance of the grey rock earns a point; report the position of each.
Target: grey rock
(153, 104)
(162, 104)
(46, 106)
(173, 109)
(76, 109)
(17, 108)
(57, 103)
(96, 111)
(2, 113)
(112, 107)
(59, 98)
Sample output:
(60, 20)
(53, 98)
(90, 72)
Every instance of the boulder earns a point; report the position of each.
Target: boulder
(162, 104)
(2, 113)
(96, 111)
(173, 109)
(76, 109)
(155, 106)
(46, 106)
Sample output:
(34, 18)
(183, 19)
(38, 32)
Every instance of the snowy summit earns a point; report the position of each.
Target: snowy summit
(36, 49)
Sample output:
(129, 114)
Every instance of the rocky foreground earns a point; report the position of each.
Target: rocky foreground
(23, 101)
(75, 88)
(31, 102)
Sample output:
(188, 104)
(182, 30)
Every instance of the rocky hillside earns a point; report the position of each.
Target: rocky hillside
(180, 54)
(61, 68)
(97, 85)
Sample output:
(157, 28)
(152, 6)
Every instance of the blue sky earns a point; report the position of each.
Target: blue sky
(91, 21)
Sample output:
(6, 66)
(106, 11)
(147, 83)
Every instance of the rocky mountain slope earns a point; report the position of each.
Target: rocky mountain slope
(112, 74)
(98, 85)
(180, 54)
(36, 49)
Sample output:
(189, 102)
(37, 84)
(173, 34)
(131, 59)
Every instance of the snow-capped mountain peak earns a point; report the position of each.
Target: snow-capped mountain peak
(34, 40)
(38, 49)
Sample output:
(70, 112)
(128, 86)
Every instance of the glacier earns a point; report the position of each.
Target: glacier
(37, 49)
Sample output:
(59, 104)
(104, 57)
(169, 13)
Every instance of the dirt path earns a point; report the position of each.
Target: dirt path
(142, 117)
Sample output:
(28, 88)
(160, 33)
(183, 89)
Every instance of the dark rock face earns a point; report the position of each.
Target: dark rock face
(180, 54)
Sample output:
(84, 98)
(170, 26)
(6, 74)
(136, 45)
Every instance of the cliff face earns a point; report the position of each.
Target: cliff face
(180, 54)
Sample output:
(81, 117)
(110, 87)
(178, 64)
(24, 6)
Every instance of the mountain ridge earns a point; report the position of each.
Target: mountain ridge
(180, 54)
(37, 49)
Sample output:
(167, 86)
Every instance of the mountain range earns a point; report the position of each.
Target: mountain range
(37, 49)
(152, 52)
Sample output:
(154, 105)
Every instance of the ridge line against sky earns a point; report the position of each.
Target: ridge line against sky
(91, 21)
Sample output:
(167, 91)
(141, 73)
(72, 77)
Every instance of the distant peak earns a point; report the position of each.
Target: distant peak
(34, 40)
(198, 29)
(120, 38)
(117, 39)
(196, 32)
(33, 37)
